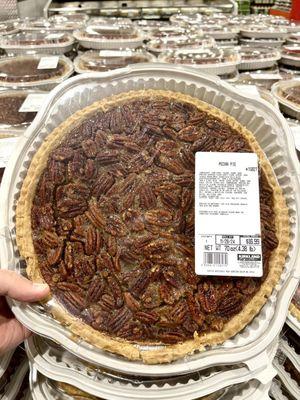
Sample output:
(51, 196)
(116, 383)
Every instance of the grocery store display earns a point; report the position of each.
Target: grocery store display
(110, 210)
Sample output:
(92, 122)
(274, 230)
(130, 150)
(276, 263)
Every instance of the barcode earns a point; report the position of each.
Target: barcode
(215, 258)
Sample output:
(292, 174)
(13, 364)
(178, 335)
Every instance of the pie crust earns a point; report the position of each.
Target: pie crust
(130, 350)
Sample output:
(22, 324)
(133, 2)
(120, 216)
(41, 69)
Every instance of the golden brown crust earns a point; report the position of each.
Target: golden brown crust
(294, 310)
(129, 350)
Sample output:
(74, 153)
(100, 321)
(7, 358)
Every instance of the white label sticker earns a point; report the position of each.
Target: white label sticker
(248, 89)
(33, 102)
(227, 215)
(7, 146)
(275, 77)
(115, 53)
(52, 36)
(296, 134)
(48, 62)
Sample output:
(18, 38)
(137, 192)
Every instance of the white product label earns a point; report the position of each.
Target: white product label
(7, 146)
(227, 215)
(296, 133)
(275, 77)
(52, 36)
(48, 62)
(33, 102)
(115, 53)
(248, 89)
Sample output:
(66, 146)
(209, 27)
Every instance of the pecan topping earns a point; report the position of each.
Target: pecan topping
(113, 223)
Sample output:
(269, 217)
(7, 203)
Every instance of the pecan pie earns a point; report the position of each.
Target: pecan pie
(292, 94)
(106, 218)
(25, 69)
(295, 304)
(10, 104)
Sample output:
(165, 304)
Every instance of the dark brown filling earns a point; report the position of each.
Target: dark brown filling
(25, 70)
(38, 42)
(112, 36)
(113, 223)
(14, 363)
(9, 110)
(292, 94)
(292, 370)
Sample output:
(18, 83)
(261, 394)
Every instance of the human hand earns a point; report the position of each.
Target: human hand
(13, 285)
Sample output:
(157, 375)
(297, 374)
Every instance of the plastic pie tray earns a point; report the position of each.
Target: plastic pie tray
(12, 388)
(287, 106)
(4, 361)
(271, 131)
(42, 389)
(57, 364)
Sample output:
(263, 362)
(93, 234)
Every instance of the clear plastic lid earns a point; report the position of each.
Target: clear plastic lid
(110, 21)
(179, 42)
(295, 38)
(45, 24)
(213, 29)
(291, 93)
(24, 70)
(110, 59)
(36, 40)
(108, 32)
(257, 53)
(160, 32)
(265, 28)
(69, 17)
(186, 19)
(9, 27)
(150, 23)
(292, 50)
(199, 56)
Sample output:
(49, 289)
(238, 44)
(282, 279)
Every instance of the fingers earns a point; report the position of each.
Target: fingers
(20, 288)
(12, 334)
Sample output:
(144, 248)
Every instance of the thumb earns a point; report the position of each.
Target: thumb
(19, 288)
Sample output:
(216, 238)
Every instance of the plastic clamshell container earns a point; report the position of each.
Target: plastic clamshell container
(71, 17)
(53, 362)
(256, 58)
(102, 21)
(109, 37)
(49, 42)
(263, 32)
(44, 79)
(212, 60)
(273, 135)
(262, 42)
(50, 26)
(289, 107)
(9, 27)
(219, 32)
(169, 43)
(293, 39)
(290, 55)
(186, 19)
(110, 59)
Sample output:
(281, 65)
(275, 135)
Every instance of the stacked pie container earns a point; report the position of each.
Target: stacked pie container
(241, 367)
